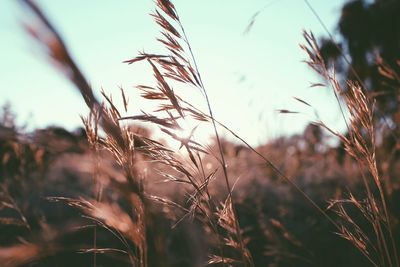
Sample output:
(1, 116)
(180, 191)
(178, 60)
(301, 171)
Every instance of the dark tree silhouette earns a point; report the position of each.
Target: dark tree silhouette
(370, 39)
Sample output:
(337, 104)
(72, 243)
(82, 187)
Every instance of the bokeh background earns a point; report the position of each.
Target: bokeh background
(246, 73)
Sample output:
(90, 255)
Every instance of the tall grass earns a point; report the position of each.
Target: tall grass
(380, 249)
(107, 130)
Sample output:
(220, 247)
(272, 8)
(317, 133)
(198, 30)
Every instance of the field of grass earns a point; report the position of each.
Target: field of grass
(114, 194)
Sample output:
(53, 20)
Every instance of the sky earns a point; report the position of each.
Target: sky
(247, 76)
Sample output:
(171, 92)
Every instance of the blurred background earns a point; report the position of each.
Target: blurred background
(246, 50)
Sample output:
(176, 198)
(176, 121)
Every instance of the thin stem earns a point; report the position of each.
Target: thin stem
(224, 165)
(272, 165)
(209, 203)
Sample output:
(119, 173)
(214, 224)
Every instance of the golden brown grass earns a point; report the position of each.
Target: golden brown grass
(380, 249)
(107, 130)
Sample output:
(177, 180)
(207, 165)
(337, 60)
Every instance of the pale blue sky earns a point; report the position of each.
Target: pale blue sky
(248, 76)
